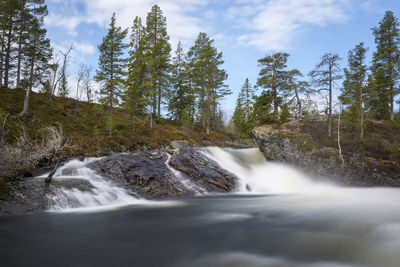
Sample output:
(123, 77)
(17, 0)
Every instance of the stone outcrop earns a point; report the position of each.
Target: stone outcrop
(147, 175)
(28, 195)
(274, 144)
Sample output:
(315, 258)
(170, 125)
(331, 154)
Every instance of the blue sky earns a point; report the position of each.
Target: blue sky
(244, 30)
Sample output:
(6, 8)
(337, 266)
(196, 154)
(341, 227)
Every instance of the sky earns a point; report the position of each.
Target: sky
(244, 30)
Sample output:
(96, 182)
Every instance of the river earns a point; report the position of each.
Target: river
(278, 216)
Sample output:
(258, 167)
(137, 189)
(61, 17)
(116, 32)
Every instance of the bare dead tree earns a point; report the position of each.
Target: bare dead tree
(63, 70)
(55, 77)
(324, 76)
(338, 137)
(79, 79)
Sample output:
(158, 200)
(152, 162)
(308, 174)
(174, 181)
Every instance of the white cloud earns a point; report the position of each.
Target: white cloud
(276, 23)
(68, 22)
(85, 48)
(181, 25)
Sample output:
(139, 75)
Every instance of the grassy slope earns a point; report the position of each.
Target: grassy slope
(84, 125)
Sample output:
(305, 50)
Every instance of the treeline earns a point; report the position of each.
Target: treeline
(140, 76)
(25, 50)
(189, 84)
(367, 92)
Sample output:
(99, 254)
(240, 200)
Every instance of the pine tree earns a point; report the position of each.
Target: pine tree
(38, 52)
(28, 11)
(157, 57)
(111, 69)
(8, 25)
(273, 76)
(324, 76)
(385, 68)
(296, 87)
(353, 92)
(207, 79)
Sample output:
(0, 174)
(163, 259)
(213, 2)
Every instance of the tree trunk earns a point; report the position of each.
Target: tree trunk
(8, 56)
(274, 92)
(391, 96)
(21, 26)
(28, 91)
(208, 111)
(3, 36)
(361, 106)
(338, 140)
(330, 103)
(298, 101)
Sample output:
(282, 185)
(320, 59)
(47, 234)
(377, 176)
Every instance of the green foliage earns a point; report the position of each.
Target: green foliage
(354, 91)
(181, 97)
(295, 87)
(394, 150)
(385, 67)
(263, 108)
(273, 76)
(285, 113)
(207, 79)
(157, 57)
(242, 117)
(111, 71)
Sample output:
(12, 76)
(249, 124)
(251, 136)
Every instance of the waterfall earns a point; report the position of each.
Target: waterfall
(256, 175)
(103, 192)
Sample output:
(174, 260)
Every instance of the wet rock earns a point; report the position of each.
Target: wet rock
(203, 170)
(29, 195)
(143, 174)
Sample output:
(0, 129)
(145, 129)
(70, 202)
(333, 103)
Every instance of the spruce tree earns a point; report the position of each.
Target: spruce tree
(385, 68)
(244, 109)
(353, 92)
(111, 71)
(324, 76)
(181, 99)
(207, 79)
(273, 76)
(157, 57)
(135, 97)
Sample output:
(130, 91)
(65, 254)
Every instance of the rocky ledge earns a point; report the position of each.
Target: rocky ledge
(149, 174)
(322, 163)
(28, 195)
(178, 170)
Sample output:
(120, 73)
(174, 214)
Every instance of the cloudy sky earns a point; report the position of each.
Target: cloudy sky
(244, 30)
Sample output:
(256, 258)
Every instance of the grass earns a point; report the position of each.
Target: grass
(84, 124)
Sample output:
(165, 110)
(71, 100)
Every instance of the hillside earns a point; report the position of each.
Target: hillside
(83, 124)
(377, 152)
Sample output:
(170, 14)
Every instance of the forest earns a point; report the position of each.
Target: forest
(139, 74)
(367, 92)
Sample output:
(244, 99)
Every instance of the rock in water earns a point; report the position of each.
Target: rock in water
(141, 173)
(203, 170)
(29, 195)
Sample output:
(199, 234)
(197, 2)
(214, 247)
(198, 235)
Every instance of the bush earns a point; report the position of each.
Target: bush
(23, 155)
(394, 151)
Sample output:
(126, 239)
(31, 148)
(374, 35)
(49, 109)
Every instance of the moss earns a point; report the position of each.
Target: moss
(4, 190)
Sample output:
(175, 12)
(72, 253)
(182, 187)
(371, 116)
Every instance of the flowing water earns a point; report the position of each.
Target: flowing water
(278, 216)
